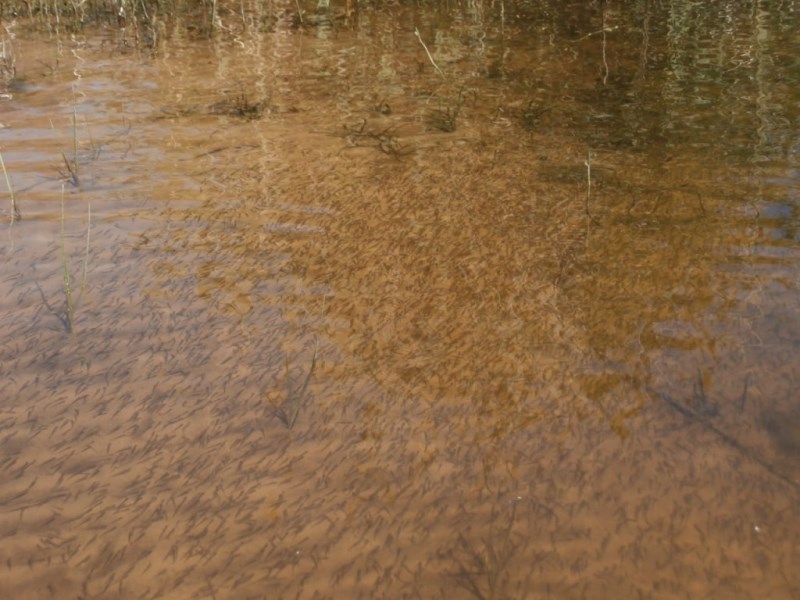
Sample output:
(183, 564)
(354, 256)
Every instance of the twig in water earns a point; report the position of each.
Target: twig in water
(430, 58)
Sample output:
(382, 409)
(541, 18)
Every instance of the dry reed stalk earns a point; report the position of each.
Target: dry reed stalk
(15, 213)
(430, 58)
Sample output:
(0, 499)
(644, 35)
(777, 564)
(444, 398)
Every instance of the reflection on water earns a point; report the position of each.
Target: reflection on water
(515, 319)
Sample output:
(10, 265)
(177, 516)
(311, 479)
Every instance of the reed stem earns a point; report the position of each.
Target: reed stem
(15, 214)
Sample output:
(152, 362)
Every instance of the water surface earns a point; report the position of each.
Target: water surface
(515, 320)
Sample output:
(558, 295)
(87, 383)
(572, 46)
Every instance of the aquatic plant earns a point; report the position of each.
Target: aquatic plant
(72, 166)
(240, 106)
(483, 568)
(446, 119)
(384, 139)
(530, 116)
(71, 301)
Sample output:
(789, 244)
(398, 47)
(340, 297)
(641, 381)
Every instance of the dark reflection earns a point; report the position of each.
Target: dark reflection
(586, 214)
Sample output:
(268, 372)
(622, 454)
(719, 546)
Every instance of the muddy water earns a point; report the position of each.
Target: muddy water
(518, 320)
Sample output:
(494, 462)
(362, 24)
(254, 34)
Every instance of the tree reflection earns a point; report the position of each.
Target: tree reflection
(470, 271)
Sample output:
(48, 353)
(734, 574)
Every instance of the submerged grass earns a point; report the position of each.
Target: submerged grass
(71, 298)
(483, 568)
(384, 139)
(446, 119)
(288, 411)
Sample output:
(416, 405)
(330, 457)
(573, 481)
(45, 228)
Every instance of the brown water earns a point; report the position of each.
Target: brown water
(327, 350)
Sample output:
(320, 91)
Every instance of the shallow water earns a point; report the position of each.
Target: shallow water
(326, 349)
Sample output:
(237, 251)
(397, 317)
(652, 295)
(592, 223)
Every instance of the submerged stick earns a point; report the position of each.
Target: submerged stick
(705, 422)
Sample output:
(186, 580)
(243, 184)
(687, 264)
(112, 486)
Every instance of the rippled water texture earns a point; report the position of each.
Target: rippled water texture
(340, 319)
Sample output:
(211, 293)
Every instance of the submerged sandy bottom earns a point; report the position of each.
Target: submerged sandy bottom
(516, 390)
(136, 469)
